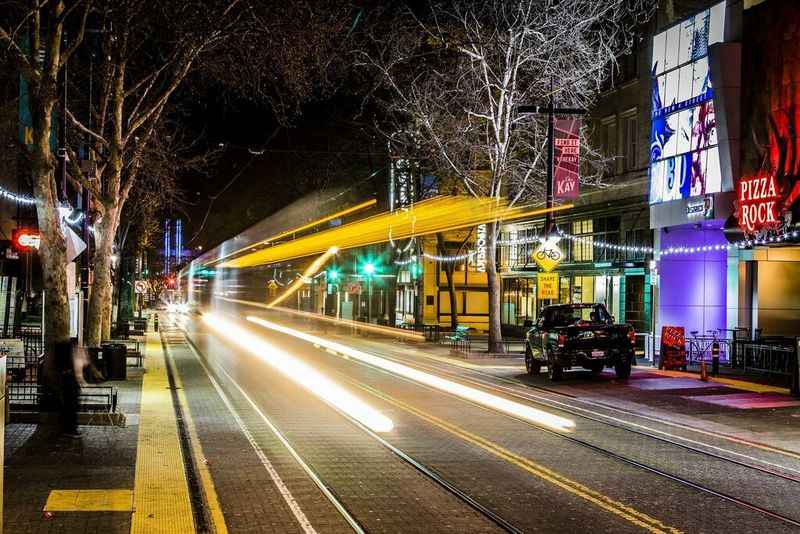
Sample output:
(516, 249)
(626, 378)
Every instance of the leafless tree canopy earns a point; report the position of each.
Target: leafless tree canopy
(454, 75)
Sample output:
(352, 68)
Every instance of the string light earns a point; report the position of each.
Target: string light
(745, 243)
(22, 199)
(408, 261)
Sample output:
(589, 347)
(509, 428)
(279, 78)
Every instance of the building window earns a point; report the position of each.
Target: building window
(631, 125)
(583, 248)
(610, 143)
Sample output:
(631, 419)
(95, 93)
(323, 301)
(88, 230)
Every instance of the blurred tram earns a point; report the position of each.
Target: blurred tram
(208, 283)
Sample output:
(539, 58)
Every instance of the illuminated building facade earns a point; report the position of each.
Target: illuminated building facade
(724, 167)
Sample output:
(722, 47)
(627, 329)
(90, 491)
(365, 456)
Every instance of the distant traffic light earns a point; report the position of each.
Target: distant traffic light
(368, 268)
(333, 274)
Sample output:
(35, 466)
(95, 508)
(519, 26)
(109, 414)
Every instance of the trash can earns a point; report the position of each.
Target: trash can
(116, 357)
(123, 329)
(98, 361)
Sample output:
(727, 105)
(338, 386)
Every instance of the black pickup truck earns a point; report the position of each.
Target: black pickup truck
(568, 335)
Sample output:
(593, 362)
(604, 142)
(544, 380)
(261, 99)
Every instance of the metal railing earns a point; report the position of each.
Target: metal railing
(766, 355)
(432, 332)
(24, 397)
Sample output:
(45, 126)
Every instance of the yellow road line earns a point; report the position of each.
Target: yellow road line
(89, 500)
(604, 502)
(209, 490)
(161, 494)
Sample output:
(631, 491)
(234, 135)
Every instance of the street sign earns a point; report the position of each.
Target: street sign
(354, 288)
(547, 286)
(548, 255)
(140, 286)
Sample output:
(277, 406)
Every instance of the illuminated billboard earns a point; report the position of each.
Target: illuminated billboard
(684, 156)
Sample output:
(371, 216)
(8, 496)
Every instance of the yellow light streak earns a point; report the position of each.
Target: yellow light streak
(344, 323)
(477, 396)
(342, 213)
(301, 374)
(440, 214)
(312, 269)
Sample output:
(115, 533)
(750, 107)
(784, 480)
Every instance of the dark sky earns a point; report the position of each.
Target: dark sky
(324, 148)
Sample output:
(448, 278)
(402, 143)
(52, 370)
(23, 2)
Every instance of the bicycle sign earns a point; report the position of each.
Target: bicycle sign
(548, 255)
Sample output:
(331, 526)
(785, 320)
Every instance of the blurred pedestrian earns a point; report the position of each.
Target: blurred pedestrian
(70, 389)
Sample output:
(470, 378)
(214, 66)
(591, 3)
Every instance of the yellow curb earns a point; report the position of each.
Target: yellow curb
(161, 493)
(738, 384)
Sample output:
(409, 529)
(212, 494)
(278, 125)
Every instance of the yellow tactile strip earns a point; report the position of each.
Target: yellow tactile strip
(105, 500)
(160, 494)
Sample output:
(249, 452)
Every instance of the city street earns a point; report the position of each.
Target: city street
(279, 449)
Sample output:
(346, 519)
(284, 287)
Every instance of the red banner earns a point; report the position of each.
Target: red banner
(566, 172)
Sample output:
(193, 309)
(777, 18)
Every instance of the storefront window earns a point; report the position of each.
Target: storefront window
(519, 301)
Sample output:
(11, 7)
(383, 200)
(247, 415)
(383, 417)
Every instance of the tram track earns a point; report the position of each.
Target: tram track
(328, 490)
(698, 486)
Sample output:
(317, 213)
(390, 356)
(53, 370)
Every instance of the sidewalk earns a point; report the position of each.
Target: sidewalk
(110, 480)
(39, 461)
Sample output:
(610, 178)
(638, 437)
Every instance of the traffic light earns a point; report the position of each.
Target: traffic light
(171, 282)
(369, 268)
(415, 270)
(333, 275)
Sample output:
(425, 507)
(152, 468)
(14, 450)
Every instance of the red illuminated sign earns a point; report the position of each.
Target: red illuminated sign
(759, 199)
(24, 239)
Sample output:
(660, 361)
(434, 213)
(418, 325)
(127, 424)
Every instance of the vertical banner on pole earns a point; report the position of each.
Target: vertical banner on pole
(566, 172)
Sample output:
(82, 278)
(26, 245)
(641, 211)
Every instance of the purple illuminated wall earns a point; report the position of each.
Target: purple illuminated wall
(693, 286)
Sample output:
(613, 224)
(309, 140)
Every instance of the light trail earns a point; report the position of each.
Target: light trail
(477, 396)
(438, 214)
(293, 231)
(301, 373)
(312, 269)
(344, 323)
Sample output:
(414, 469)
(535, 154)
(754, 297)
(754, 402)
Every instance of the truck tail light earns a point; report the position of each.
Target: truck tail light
(632, 336)
(562, 340)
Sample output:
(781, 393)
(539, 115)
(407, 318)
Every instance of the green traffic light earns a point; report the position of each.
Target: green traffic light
(369, 268)
(333, 274)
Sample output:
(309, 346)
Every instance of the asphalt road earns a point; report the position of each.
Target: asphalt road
(466, 452)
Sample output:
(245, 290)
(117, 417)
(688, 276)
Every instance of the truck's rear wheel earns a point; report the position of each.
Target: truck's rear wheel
(554, 371)
(532, 365)
(623, 368)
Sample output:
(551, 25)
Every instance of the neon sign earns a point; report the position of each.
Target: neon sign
(26, 238)
(759, 199)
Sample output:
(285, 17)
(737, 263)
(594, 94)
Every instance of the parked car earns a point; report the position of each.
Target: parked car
(569, 335)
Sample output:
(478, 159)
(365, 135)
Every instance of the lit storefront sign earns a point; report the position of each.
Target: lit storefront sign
(25, 239)
(480, 249)
(759, 203)
(701, 208)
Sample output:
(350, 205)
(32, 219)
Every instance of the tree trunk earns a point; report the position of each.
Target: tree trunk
(52, 248)
(98, 320)
(493, 285)
(451, 289)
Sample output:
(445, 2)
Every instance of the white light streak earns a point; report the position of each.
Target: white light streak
(478, 396)
(301, 373)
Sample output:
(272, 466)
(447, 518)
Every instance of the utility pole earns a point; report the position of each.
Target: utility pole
(551, 112)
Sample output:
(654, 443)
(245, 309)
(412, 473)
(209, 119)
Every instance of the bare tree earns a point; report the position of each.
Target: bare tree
(454, 73)
(32, 40)
(146, 53)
